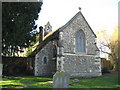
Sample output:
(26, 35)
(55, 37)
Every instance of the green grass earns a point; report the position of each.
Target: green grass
(44, 82)
(97, 82)
(11, 82)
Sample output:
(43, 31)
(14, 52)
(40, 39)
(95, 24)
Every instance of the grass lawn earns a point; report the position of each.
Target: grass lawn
(44, 82)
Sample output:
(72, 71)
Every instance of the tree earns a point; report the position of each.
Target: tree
(30, 49)
(18, 25)
(109, 45)
(114, 45)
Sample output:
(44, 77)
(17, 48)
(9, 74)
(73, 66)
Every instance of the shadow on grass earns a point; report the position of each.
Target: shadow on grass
(42, 82)
(9, 86)
(23, 80)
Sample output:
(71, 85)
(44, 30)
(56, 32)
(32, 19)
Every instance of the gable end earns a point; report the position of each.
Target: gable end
(79, 13)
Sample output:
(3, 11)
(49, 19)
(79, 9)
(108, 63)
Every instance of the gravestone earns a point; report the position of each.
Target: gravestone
(61, 80)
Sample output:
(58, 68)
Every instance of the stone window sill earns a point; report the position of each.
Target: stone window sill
(81, 53)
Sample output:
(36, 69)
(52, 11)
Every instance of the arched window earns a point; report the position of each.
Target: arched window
(80, 41)
(44, 60)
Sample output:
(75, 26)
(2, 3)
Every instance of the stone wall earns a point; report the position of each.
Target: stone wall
(69, 36)
(49, 68)
(18, 65)
(76, 64)
(81, 66)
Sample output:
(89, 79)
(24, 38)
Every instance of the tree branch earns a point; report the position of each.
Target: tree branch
(106, 52)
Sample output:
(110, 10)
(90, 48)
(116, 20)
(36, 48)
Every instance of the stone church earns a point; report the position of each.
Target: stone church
(71, 48)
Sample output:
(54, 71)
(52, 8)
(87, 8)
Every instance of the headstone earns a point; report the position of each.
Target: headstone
(61, 80)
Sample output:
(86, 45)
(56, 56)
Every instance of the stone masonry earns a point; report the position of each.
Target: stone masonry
(77, 64)
(49, 68)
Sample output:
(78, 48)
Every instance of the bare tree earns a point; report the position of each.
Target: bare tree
(108, 44)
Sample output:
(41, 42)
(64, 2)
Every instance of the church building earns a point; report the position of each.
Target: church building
(71, 48)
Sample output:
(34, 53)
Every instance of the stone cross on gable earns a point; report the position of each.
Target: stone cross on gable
(80, 8)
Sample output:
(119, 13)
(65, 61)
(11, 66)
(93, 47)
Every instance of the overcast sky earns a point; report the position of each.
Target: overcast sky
(100, 14)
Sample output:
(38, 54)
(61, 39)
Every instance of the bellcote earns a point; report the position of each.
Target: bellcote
(48, 28)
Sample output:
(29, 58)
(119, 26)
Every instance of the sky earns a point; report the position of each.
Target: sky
(100, 14)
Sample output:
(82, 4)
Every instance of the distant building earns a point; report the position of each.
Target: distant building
(22, 52)
(106, 64)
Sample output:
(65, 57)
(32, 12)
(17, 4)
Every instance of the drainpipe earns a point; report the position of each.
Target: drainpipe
(41, 34)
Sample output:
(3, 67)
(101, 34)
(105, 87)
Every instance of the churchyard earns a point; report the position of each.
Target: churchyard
(70, 51)
(22, 82)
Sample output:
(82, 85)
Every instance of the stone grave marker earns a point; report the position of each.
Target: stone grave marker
(61, 80)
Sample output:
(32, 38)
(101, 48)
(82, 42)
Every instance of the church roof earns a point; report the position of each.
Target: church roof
(54, 34)
(49, 37)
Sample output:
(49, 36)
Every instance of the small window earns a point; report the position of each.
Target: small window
(45, 60)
